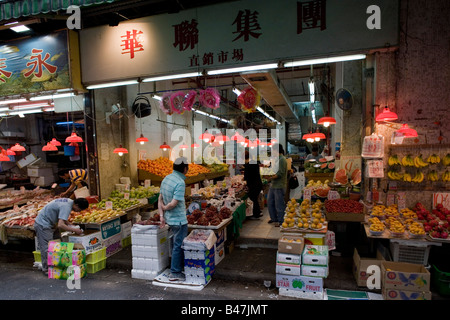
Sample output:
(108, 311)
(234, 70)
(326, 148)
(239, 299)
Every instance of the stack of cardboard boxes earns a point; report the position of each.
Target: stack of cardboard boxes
(199, 256)
(150, 251)
(66, 259)
(405, 281)
(300, 269)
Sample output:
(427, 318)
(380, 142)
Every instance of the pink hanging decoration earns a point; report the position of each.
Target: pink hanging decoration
(189, 100)
(176, 102)
(164, 104)
(209, 98)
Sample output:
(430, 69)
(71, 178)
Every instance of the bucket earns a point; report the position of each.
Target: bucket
(69, 150)
(440, 280)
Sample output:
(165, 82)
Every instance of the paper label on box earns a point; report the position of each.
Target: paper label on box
(108, 205)
(111, 228)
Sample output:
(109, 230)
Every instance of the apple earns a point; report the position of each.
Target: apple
(428, 228)
(444, 235)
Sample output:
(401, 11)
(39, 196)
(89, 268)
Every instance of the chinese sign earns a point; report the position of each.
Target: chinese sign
(234, 34)
(34, 65)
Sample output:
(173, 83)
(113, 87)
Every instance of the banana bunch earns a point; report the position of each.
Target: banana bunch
(394, 175)
(446, 160)
(408, 161)
(407, 177)
(434, 158)
(419, 162)
(432, 176)
(446, 176)
(394, 160)
(418, 178)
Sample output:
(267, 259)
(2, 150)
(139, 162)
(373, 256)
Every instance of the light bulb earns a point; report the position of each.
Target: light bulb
(142, 142)
(317, 139)
(206, 140)
(326, 124)
(164, 149)
(221, 142)
(120, 154)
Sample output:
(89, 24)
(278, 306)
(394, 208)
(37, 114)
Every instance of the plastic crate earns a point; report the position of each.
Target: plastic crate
(126, 242)
(96, 256)
(440, 281)
(37, 256)
(97, 266)
(417, 254)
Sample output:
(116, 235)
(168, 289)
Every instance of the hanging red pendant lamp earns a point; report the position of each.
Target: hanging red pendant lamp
(120, 150)
(326, 121)
(205, 137)
(9, 152)
(49, 147)
(308, 137)
(17, 147)
(164, 146)
(142, 139)
(221, 139)
(386, 115)
(55, 142)
(194, 145)
(317, 136)
(74, 138)
(407, 132)
(184, 146)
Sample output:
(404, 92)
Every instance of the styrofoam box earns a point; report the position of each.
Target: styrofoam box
(287, 258)
(150, 264)
(150, 251)
(143, 274)
(300, 294)
(197, 275)
(289, 269)
(148, 239)
(314, 271)
(37, 172)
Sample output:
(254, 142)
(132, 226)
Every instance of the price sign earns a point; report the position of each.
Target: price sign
(333, 195)
(390, 199)
(147, 183)
(307, 194)
(126, 196)
(108, 205)
(441, 198)
(401, 200)
(127, 187)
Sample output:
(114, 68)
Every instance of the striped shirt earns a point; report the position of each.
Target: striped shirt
(174, 187)
(78, 175)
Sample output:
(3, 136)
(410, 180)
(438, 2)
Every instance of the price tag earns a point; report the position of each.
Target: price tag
(126, 196)
(333, 195)
(390, 199)
(127, 187)
(147, 183)
(231, 192)
(227, 203)
(401, 200)
(22, 190)
(307, 194)
(108, 205)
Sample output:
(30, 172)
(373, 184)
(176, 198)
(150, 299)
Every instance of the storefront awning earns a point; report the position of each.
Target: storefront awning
(24, 8)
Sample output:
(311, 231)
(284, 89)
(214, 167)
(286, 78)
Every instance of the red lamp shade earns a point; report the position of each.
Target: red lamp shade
(55, 142)
(4, 157)
(49, 147)
(407, 132)
(308, 137)
(184, 146)
(253, 144)
(9, 152)
(318, 136)
(237, 137)
(164, 146)
(386, 115)
(326, 121)
(17, 147)
(194, 145)
(221, 139)
(74, 138)
(120, 150)
(142, 139)
(205, 137)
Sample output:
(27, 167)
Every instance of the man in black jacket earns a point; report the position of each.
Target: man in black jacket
(254, 184)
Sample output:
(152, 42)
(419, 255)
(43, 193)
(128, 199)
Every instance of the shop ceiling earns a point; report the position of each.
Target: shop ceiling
(283, 90)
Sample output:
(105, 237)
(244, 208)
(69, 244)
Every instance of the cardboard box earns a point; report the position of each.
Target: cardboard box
(405, 276)
(220, 253)
(191, 242)
(360, 265)
(126, 229)
(315, 239)
(113, 244)
(63, 254)
(291, 244)
(314, 271)
(397, 294)
(64, 273)
(299, 283)
(301, 294)
(199, 271)
(289, 269)
(286, 258)
(221, 237)
(91, 240)
(315, 255)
